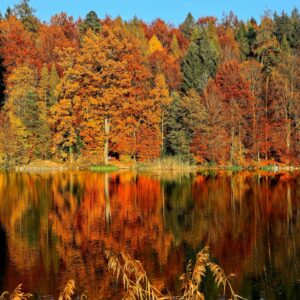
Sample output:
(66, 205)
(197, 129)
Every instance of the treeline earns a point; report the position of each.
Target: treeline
(216, 92)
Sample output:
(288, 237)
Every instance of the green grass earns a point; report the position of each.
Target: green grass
(269, 168)
(103, 168)
(234, 168)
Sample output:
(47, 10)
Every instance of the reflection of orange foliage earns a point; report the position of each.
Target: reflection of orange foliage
(123, 217)
(243, 207)
(59, 224)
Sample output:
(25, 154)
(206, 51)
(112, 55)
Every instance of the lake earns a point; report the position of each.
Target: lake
(55, 227)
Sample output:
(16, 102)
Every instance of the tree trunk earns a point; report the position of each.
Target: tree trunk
(162, 135)
(232, 146)
(71, 155)
(107, 200)
(255, 137)
(287, 119)
(240, 144)
(288, 134)
(266, 116)
(106, 137)
(134, 153)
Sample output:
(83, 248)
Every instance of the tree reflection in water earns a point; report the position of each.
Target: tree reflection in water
(56, 226)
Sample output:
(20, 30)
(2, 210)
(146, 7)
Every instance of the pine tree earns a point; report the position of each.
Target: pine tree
(188, 25)
(251, 36)
(177, 142)
(242, 39)
(25, 13)
(200, 62)
(295, 36)
(283, 27)
(8, 13)
(91, 22)
(284, 45)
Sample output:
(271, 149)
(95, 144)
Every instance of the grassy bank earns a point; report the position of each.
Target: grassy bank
(162, 164)
(262, 166)
(42, 166)
(103, 168)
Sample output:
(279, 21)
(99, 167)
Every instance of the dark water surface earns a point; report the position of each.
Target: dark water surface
(55, 226)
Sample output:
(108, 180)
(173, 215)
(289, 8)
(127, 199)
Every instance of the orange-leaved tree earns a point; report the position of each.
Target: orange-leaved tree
(103, 84)
(64, 114)
(235, 90)
(134, 114)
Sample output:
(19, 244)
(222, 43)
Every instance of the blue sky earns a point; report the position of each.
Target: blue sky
(171, 11)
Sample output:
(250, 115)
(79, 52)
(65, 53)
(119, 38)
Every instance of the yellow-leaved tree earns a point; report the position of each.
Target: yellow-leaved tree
(155, 45)
(21, 83)
(160, 99)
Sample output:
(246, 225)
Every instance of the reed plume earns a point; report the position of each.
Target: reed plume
(137, 286)
(135, 281)
(68, 291)
(191, 280)
(17, 294)
(221, 279)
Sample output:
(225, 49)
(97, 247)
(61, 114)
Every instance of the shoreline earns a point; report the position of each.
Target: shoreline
(164, 165)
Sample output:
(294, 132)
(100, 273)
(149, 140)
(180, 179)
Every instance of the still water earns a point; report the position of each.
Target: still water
(55, 226)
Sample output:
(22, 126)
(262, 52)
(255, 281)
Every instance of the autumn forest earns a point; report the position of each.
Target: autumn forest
(213, 92)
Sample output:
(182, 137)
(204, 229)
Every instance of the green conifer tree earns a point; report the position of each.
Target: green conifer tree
(91, 21)
(25, 13)
(200, 62)
(188, 25)
(176, 140)
(242, 39)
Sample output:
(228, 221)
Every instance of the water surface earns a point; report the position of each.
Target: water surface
(55, 226)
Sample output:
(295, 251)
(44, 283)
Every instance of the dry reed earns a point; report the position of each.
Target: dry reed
(68, 291)
(17, 294)
(138, 287)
